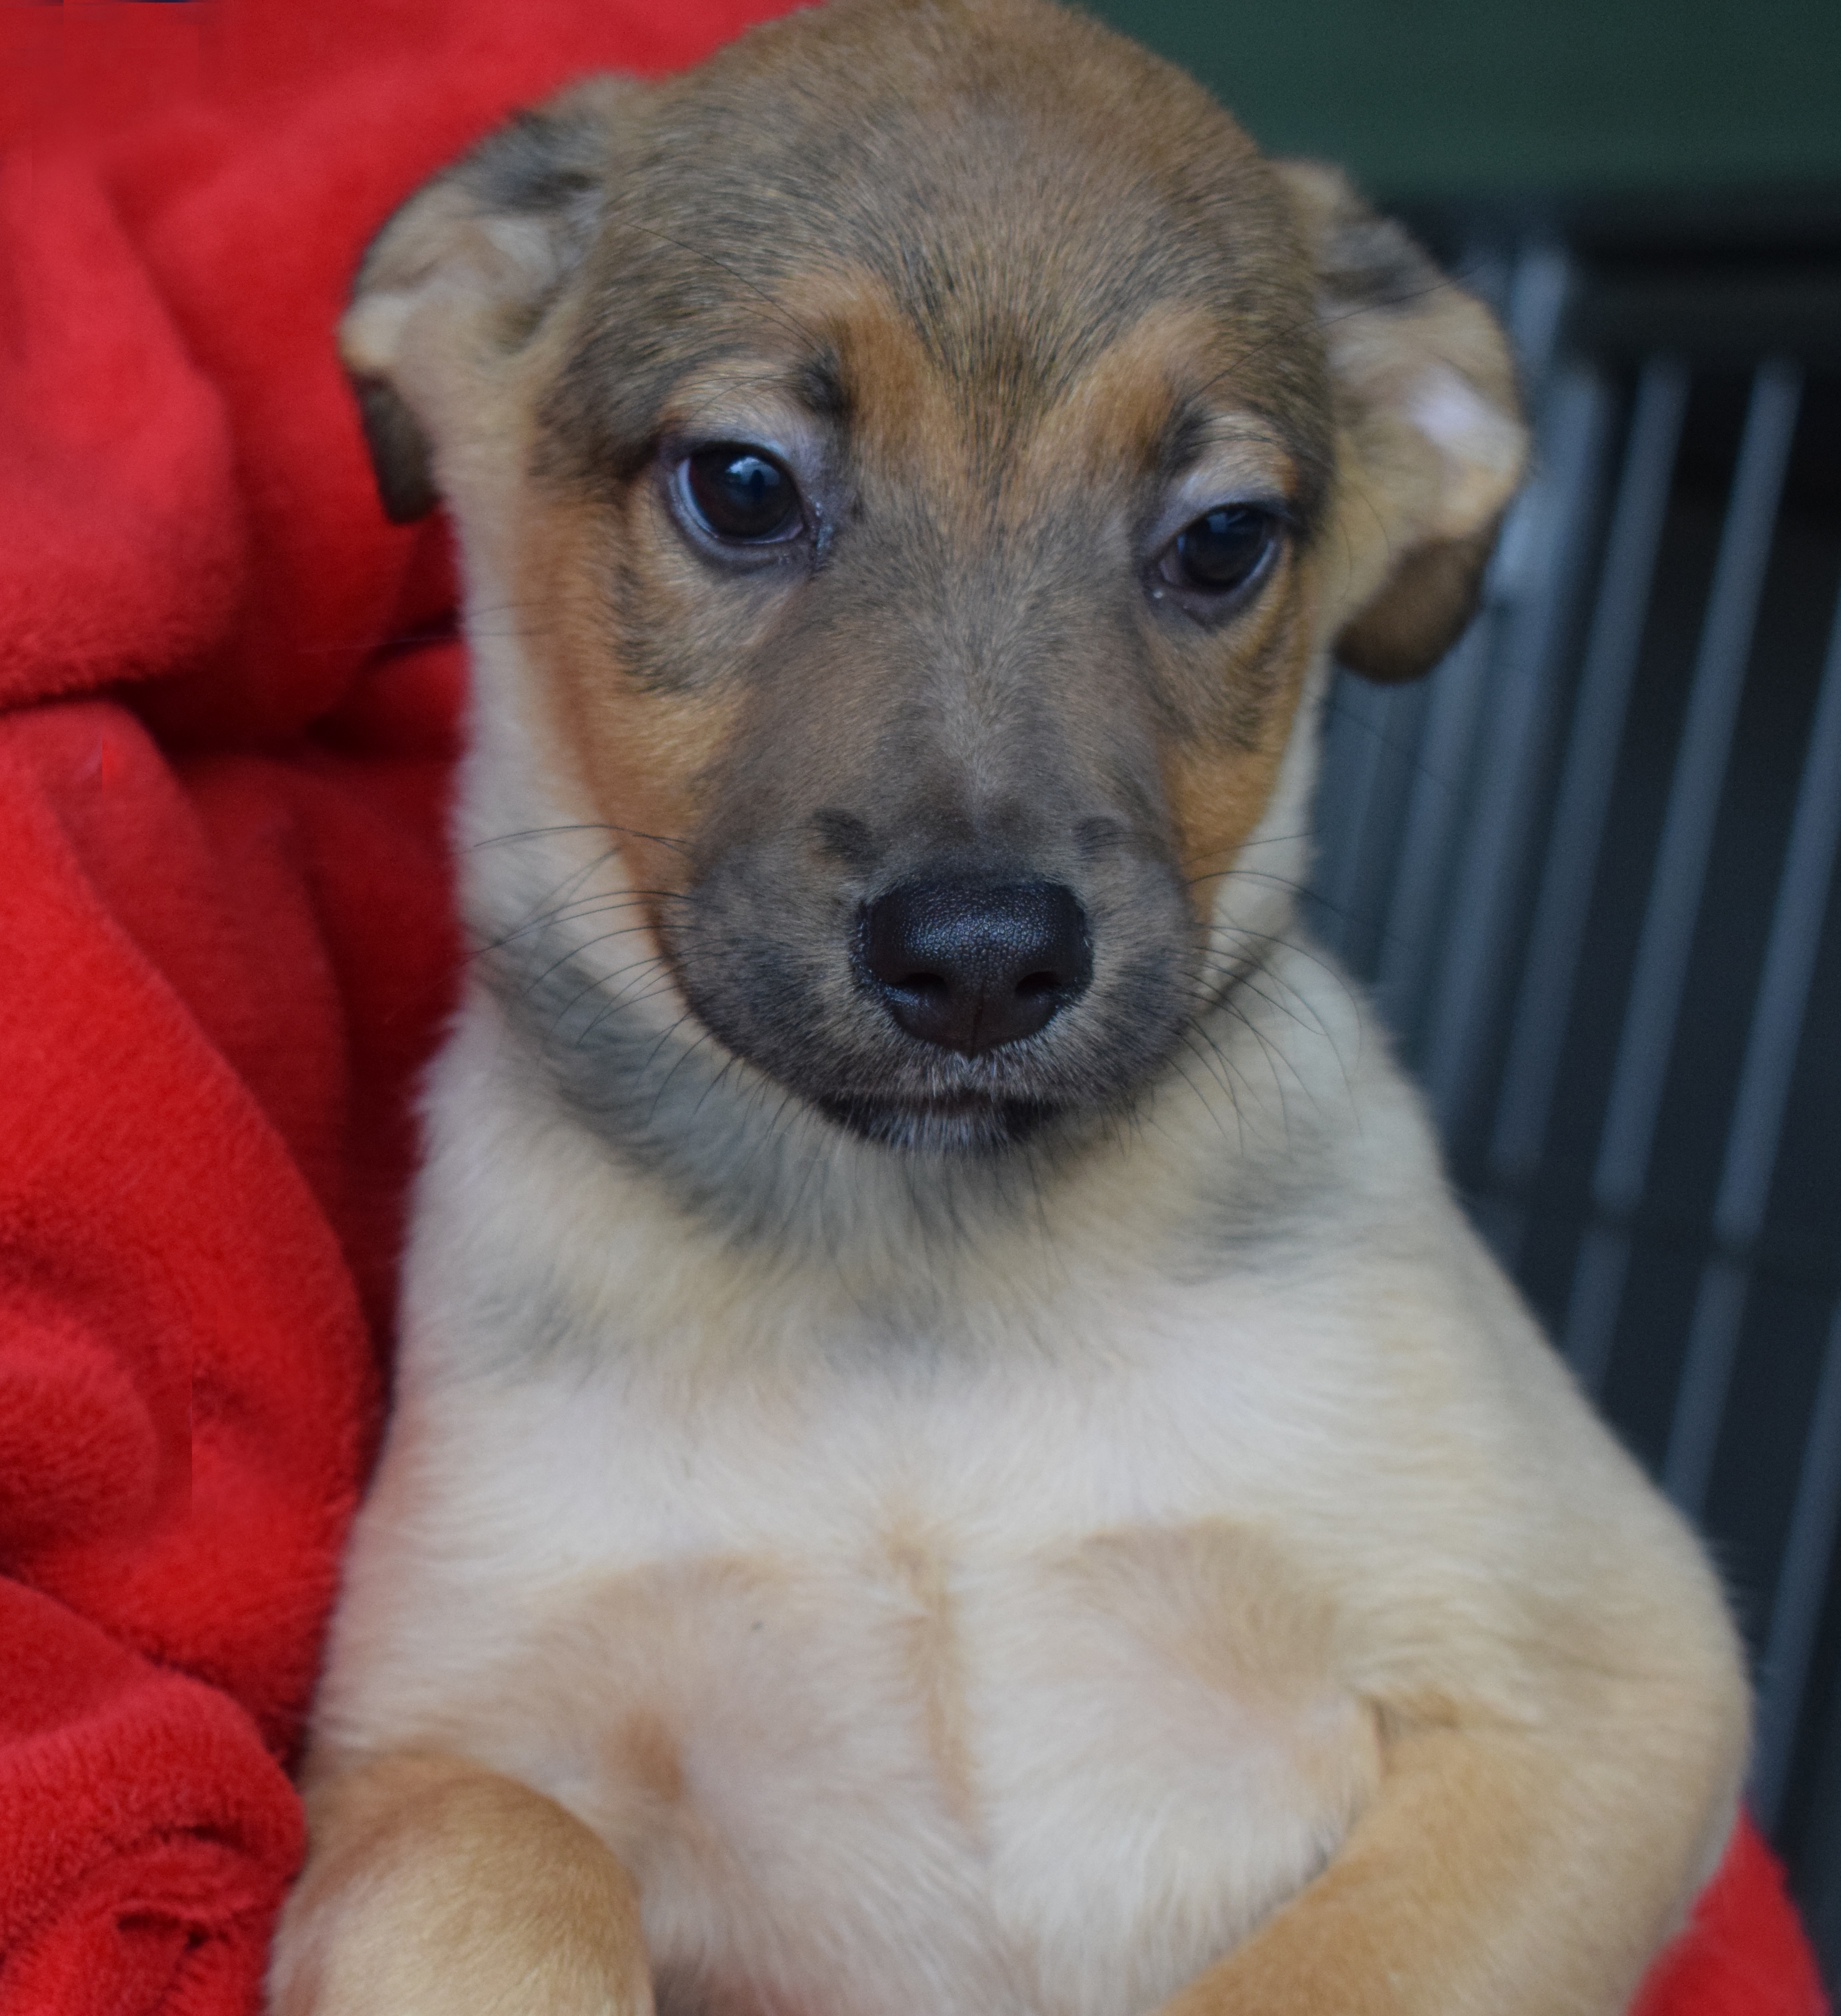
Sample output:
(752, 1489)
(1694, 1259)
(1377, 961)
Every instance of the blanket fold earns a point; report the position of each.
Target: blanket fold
(158, 1895)
(228, 699)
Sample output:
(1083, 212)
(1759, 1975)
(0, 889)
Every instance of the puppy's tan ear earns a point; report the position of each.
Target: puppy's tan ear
(1431, 439)
(460, 278)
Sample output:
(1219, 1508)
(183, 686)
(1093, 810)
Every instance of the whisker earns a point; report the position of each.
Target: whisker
(688, 1051)
(632, 975)
(581, 826)
(579, 911)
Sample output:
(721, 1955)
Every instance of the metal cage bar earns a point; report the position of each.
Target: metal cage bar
(1764, 1092)
(1583, 801)
(1679, 872)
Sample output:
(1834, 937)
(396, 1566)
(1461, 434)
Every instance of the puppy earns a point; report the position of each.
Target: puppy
(953, 1451)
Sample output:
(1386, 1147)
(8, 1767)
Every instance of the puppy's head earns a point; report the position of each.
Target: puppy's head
(923, 454)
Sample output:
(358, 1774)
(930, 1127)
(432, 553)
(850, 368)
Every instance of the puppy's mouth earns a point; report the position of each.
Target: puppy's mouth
(950, 1124)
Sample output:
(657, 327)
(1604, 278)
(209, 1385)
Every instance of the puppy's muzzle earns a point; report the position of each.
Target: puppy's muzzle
(969, 966)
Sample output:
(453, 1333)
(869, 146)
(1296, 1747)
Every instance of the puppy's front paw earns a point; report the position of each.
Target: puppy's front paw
(434, 1889)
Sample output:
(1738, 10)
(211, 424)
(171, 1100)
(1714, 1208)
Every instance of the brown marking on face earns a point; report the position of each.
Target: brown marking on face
(903, 415)
(637, 751)
(1172, 361)
(1218, 792)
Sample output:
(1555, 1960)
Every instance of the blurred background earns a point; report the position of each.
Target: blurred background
(1589, 866)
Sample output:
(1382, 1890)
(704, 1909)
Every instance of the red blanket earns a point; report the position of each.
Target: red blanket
(226, 700)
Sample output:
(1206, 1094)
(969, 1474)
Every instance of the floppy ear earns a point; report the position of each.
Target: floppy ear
(1431, 440)
(460, 278)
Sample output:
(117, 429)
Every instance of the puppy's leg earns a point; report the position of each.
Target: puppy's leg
(435, 1888)
(1493, 1876)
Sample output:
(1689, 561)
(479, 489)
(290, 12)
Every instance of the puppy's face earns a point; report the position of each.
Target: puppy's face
(924, 451)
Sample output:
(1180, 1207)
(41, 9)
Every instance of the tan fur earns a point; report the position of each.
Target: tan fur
(1163, 1567)
(633, 760)
(937, 1669)
(452, 1887)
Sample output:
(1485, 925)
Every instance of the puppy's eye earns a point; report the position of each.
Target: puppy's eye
(741, 495)
(1221, 550)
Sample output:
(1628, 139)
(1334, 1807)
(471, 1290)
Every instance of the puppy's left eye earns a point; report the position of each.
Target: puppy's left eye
(741, 495)
(1222, 551)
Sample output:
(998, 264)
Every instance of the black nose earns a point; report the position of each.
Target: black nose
(970, 965)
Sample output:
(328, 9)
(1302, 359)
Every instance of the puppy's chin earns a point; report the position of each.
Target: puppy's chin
(960, 1125)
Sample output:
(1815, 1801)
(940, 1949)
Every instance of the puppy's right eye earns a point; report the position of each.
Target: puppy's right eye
(1222, 552)
(740, 496)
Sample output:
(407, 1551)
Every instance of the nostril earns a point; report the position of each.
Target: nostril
(971, 966)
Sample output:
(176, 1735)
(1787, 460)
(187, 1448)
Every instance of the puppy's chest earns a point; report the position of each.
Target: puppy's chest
(880, 1749)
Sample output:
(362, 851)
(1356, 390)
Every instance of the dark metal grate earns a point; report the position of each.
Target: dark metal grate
(1590, 869)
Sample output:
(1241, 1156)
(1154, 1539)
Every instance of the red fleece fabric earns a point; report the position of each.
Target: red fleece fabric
(228, 692)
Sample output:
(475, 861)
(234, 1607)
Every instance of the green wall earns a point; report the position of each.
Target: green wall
(1439, 98)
